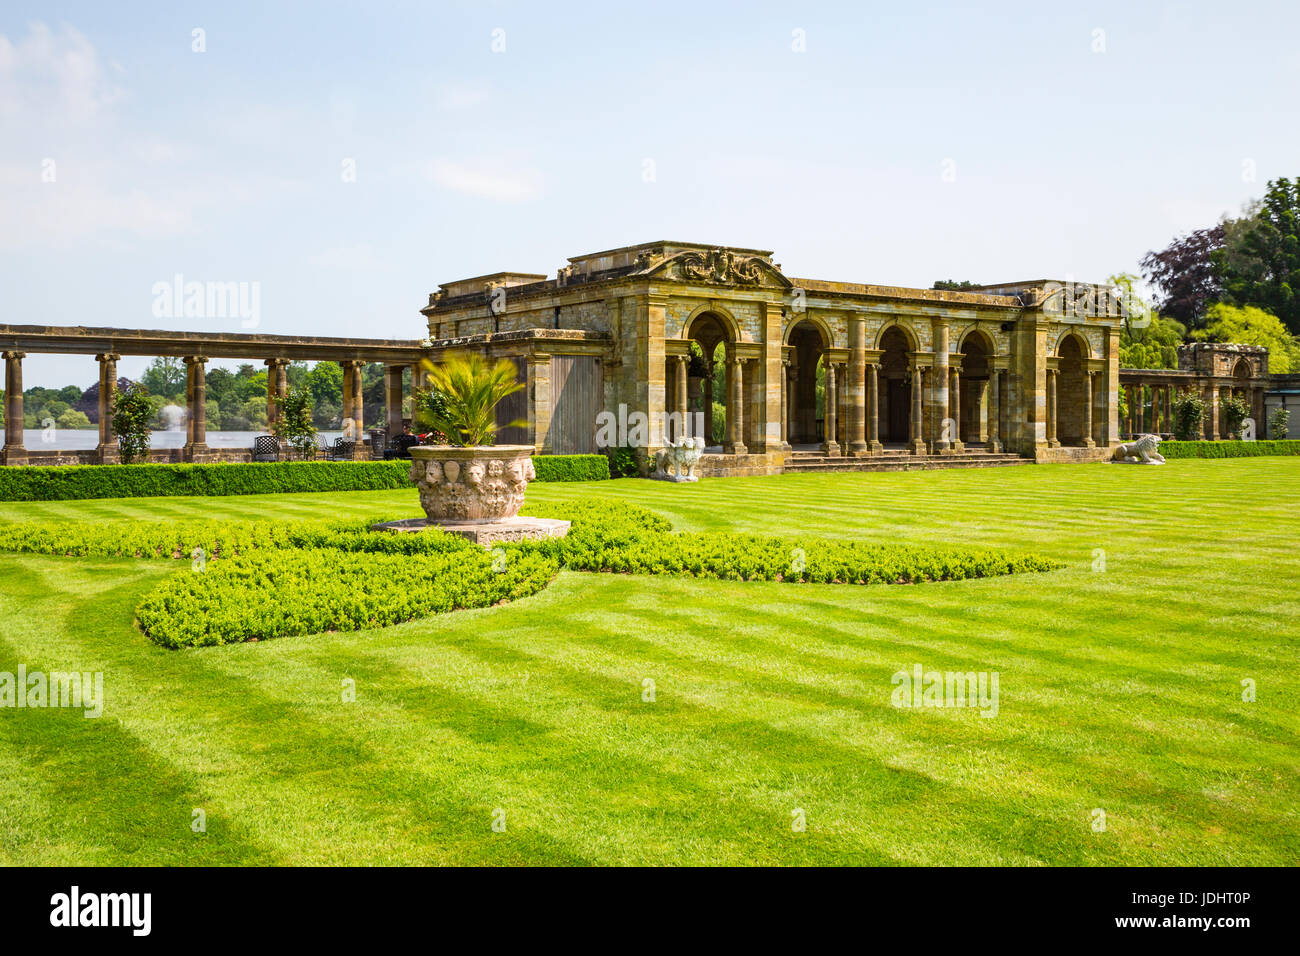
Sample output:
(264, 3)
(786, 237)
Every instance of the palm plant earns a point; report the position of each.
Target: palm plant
(469, 388)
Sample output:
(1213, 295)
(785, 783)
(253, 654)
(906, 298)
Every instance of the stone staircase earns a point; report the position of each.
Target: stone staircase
(899, 459)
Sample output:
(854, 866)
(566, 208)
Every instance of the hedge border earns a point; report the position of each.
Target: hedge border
(223, 479)
(1230, 449)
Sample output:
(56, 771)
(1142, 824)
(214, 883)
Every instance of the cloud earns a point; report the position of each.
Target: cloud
(54, 73)
(488, 179)
(354, 258)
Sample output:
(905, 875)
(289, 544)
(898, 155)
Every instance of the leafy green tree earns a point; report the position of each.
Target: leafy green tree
(295, 425)
(73, 419)
(1262, 269)
(165, 376)
(1251, 326)
(952, 285)
(131, 420)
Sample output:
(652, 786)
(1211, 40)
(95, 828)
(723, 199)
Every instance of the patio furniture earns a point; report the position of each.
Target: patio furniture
(266, 448)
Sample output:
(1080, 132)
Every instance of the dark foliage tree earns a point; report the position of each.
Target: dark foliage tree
(1184, 273)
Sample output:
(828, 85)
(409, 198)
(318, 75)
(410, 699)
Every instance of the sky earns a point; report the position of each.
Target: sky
(344, 159)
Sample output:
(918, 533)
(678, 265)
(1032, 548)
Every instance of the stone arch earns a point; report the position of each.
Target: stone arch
(1081, 343)
(894, 383)
(808, 339)
(1072, 367)
(807, 318)
(709, 326)
(708, 312)
(974, 364)
(909, 335)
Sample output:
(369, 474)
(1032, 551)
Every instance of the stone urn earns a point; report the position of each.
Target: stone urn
(478, 483)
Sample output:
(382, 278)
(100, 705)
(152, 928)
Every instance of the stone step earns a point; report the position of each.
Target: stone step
(905, 463)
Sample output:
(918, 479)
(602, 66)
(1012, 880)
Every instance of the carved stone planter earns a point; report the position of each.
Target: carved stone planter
(471, 484)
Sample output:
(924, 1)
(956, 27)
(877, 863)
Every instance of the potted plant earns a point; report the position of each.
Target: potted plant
(470, 478)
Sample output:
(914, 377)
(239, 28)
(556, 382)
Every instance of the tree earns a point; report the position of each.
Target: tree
(1265, 271)
(165, 376)
(1252, 326)
(131, 423)
(295, 425)
(72, 419)
(1147, 339)
(952, 285)
(1184, 272)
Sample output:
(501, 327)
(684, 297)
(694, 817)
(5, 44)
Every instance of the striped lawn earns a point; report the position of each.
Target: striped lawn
(1120, 691)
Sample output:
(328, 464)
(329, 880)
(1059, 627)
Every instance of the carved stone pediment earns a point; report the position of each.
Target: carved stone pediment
(722, 267)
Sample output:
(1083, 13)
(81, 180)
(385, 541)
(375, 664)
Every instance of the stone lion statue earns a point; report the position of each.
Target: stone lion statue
(677, 461)
(1143, 451)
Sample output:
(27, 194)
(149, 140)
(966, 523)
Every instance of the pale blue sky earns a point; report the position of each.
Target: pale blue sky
(226, 165)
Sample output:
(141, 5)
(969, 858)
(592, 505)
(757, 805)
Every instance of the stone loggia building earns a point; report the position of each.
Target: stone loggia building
(1027, 368)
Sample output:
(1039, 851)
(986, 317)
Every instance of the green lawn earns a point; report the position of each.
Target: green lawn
(1120, 690)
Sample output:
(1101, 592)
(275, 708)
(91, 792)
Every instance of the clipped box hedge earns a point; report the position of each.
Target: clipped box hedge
(1229, 449)
(73, 482)
(571, 467)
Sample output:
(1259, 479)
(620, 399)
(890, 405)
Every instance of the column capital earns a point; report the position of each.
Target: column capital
(196, 360)
(107, 357)
(15, 356)
(275, 362)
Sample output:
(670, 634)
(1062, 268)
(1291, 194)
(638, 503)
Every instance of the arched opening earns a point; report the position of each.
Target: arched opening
(708, 384)
(973, 380)
(894, 398)
(806, 412)
(1070, 391)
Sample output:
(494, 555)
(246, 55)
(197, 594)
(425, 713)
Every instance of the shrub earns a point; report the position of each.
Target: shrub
(571, 467)
(617, 537)
(1278, 423)
(1234, 412)
(625, 462)
(1229, 449)
(217, 539)
(132, 414)
(73, 482)
(470, 388)
(288, 593)
(1189, 414)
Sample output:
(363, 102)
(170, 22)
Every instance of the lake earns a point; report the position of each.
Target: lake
(80, 439)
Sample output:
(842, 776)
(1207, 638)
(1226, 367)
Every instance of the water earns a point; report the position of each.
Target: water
(80, 439)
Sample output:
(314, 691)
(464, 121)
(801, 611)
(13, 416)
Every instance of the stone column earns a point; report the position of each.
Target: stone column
(940, 381)
(736, 408)
(539, 401)
(1051, 409)
(706, 390)
(786, 402)
(15, 453)
(995, 410)
(1211, 423)
(873, 408)
(197, 400)
(393, 395)
(954, 386)
(682, 409)
(859, 403)
(829, 445)
(348, 370)
(358, 410)
(107, 449)
(274, 393)
(915, 440)
(1088, 441)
